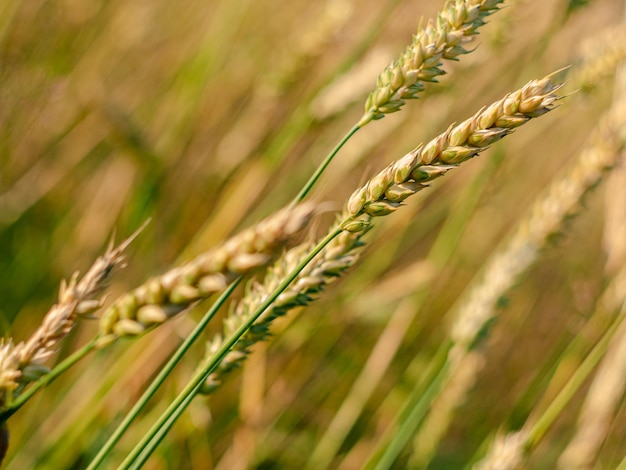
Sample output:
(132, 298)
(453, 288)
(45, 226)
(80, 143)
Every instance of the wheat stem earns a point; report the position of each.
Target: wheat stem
(322, 167)
(160, 378)
(164, 429)
(146, 446)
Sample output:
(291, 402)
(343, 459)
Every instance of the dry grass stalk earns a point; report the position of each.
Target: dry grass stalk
(164, 296)
(381, 196)
(444, 38)
(23, 362)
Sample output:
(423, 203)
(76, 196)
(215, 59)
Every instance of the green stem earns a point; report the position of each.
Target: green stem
(572, 386)
(46, 379)
(160, 378)
(163, 430)
(320, 169)
(146, 446)
(414, 412)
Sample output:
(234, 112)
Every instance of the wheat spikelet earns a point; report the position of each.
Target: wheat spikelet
(23, 362)
(444, 38)
(164, 296)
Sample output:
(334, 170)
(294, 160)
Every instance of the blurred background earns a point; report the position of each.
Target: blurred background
(208, 116)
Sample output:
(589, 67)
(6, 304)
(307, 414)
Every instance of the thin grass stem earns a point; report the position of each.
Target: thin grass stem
(411, 414)
(163, 430)
(554, 410)
(322, 167)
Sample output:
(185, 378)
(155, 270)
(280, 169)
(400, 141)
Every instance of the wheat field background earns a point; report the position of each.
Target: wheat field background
(206, 117)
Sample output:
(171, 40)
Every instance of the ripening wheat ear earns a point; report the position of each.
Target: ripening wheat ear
(385, 192)
(23, 362)
(164, 296)
(444, 38)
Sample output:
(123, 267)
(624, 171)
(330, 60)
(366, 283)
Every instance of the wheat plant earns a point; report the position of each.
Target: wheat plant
(387, 316)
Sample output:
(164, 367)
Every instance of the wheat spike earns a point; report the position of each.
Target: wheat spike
(444, 38)
(162, 297)
(23, 362)
(385, 192)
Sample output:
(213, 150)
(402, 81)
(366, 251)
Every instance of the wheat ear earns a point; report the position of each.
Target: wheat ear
(381, 196)
(23, 362)
(162, 297)
(384, 193)
(444, 38)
